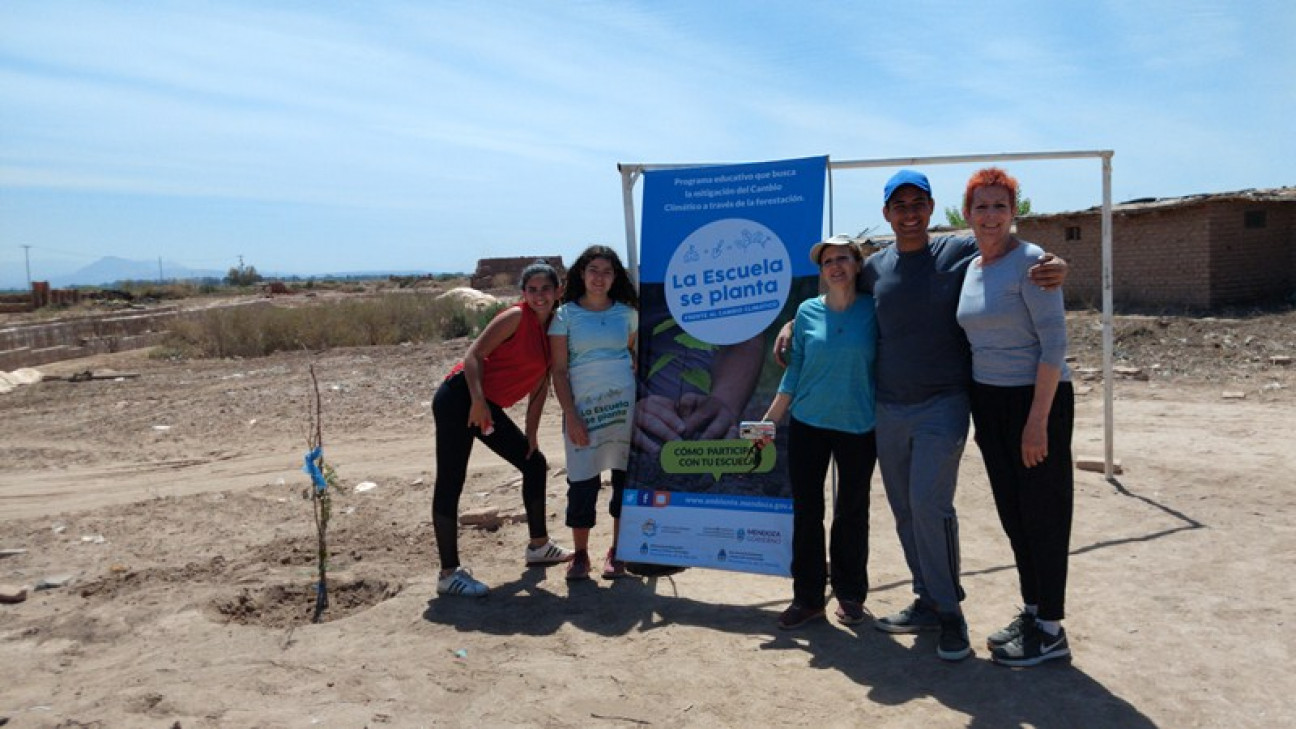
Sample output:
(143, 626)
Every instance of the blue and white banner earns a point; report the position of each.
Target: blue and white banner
(724, 263)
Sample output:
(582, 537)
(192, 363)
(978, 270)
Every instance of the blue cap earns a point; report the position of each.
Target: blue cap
(902, 178)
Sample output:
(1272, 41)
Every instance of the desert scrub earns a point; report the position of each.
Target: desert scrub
(262, 328)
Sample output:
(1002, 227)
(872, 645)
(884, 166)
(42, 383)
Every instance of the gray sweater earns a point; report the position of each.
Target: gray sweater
(1012, 324)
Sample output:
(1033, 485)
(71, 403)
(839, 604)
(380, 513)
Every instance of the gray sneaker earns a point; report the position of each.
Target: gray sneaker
(1009, 632)
(916, 618)
(953, 644)
(1031, 648)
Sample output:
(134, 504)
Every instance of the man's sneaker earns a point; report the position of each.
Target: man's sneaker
(548, 553)
(1032, 647)
(461, 583)
(953, 643)
(579, 567)
(613, 568)
(1011, 631)
(916, 618)
(797, 615)
(851, 612)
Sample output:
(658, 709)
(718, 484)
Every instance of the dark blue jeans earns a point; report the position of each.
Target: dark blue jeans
(809, 449)
(454, 442)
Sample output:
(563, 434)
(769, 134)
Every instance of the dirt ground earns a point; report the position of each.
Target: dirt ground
(173, 502)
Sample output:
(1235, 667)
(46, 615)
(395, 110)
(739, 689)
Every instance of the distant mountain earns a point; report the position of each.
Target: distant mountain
(111, 269)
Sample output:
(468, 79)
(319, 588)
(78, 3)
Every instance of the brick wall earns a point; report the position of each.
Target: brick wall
(1250, 264)
(1198, 255)
(1156, 260)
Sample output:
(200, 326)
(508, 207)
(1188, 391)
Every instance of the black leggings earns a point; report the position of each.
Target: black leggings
(1034, 504)
(582, 499)
(454, 442)
(809, 451)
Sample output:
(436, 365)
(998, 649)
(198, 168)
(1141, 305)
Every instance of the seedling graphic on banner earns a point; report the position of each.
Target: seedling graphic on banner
(724, 264)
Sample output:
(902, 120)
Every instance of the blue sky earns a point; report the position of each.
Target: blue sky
(314, 137)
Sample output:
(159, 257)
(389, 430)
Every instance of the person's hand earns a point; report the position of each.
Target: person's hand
(655, 423)
(707, 418)
(479, 415)
(533, 444)
(577, 433)
(1034, 443)
(1049, 273)
(781, 344)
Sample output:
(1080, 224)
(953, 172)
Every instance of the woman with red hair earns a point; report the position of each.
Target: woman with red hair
(1022, 410)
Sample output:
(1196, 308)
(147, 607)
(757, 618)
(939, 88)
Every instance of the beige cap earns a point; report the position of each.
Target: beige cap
(837, 240)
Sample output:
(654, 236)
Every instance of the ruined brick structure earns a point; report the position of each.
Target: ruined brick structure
(33, 344)
(497, 273)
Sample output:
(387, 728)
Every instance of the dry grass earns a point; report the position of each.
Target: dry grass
(260, 329)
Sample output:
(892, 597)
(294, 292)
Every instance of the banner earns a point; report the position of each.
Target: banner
(724, 263)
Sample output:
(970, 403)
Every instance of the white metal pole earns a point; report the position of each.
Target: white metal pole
(629, 175)
(1109, 427)
(962, 159)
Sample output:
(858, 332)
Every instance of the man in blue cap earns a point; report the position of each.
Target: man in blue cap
(924, 372)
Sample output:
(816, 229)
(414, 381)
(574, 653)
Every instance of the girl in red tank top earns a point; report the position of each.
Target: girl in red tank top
(509, 360)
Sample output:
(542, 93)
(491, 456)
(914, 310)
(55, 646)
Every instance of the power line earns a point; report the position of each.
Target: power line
(27, 258)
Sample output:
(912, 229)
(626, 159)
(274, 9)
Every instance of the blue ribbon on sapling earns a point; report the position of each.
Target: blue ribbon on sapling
(312, 468)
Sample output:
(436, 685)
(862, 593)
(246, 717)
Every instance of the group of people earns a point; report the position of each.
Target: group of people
(953, 327)
(886, 367)
(580, 337)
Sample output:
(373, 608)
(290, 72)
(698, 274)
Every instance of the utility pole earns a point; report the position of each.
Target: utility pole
(160, 279)
(27, 256)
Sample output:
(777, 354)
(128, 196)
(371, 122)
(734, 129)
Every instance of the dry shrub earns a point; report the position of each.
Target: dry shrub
(260, 329)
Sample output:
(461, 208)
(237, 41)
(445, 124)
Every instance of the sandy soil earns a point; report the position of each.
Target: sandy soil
(173, 501)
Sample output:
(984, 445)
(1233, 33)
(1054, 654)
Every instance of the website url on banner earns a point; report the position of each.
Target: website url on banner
(727, 501)
(732, 311)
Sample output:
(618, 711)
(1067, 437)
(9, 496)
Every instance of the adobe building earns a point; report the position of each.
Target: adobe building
(1199, 251)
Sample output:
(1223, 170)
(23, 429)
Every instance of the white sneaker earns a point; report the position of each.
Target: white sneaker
(548, 553)
(461, 583)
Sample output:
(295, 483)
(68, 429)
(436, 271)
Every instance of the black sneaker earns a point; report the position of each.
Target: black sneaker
(916, 618)
(953, 644)
(1011, 631)
(1031, 648)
